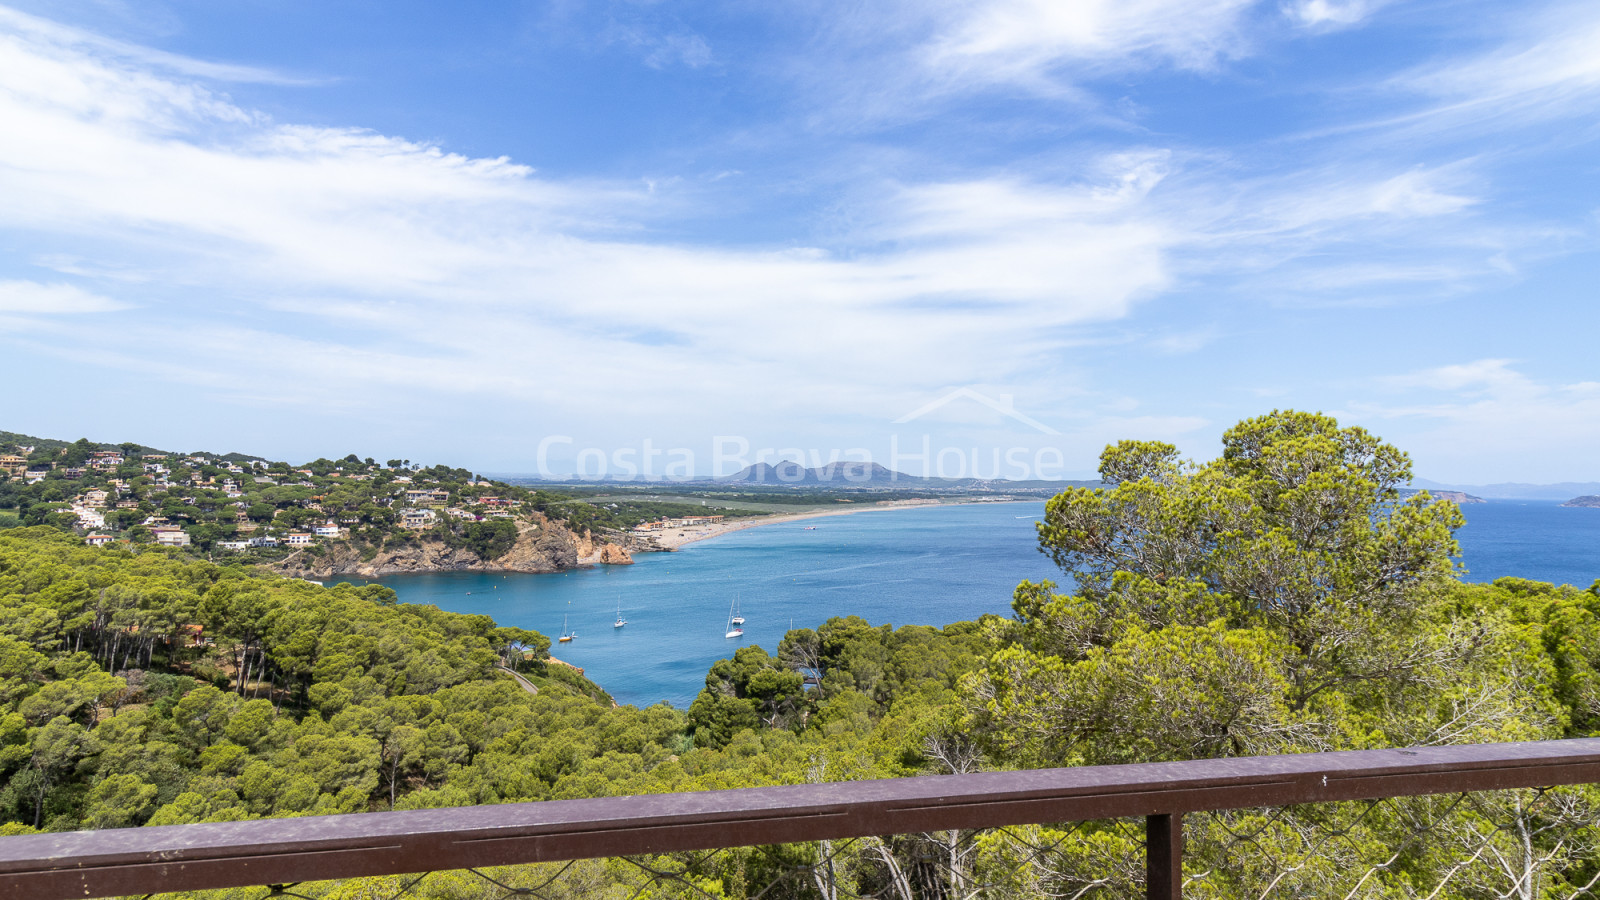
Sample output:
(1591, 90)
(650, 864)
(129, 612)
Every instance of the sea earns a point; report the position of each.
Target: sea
(904, 566)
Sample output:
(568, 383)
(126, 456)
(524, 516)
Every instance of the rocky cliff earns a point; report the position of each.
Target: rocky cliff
(542, 546)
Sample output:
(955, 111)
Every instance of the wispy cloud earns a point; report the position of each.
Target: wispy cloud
(31, 297)
(1321, 14)
(45, 31)
(1026, 41)
(401, 239)
(1464, 413)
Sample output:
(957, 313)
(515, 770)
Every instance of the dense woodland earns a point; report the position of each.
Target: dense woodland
(1282, 598)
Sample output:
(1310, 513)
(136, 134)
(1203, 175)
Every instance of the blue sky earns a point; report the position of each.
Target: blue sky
(452, 233)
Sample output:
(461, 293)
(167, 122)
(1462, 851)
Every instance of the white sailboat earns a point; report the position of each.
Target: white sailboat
(734, 621)
(620, 620)
(566, 636)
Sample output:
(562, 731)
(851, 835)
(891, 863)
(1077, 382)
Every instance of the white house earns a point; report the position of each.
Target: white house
(171, 537)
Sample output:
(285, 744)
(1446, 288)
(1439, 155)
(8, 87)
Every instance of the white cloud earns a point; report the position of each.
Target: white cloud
(1329, 13)
(1544, 68)
(29, 297)
(1465, 414)
(1025, 40)
(45, 31)
(403, 244)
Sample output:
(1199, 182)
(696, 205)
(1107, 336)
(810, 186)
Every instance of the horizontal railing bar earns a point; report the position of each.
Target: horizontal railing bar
(235, 854)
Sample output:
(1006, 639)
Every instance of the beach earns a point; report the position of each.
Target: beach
(673, 538)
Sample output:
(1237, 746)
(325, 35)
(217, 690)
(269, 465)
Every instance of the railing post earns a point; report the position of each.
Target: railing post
(1163, 856)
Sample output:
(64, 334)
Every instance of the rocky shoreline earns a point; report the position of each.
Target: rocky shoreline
(542, 546)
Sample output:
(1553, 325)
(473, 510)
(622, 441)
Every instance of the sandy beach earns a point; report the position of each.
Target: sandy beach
(673, 538)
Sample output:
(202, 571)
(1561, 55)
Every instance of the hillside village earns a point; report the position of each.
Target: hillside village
(232, 504)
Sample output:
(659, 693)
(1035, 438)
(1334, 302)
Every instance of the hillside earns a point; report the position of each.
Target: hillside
(325, 517)
(1590, 501)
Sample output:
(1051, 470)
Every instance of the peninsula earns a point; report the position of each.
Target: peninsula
(1588, 502)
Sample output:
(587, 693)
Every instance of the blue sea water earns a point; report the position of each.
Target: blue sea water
(926, 566)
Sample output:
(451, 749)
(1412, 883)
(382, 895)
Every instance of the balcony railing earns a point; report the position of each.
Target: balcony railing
(278, 851)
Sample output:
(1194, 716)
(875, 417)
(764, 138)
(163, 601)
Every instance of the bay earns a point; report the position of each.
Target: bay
(924, 566)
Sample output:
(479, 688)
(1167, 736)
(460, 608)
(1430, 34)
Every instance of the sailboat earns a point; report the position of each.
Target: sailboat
(734, 621)
(566, 636)
(620, 620)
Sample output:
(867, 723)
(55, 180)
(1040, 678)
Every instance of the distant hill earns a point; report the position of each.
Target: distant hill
(1453, 496)
(1590, 501)
(834, 473)
(1515, 490)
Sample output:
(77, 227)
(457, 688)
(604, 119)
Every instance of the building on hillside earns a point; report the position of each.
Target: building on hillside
(106, 459)
(297, 539)
(98, 540)
(263, 542)
(95, 499)
(233, 545)
(417, 519)
(34, 476)
(89, 519)
(73, 472)
(13, 465)
(171, 537)
(327, 530)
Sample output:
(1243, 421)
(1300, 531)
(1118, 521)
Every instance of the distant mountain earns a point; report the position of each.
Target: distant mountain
(1591, 502)
(1516, 490)
(834, 473)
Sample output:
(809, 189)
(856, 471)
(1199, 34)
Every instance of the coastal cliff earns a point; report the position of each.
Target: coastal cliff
(542, 545)
(1590, 502)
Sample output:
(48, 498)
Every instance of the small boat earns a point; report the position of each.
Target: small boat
(566, 636)
(620, 620)
(811, 528)
(734, 621)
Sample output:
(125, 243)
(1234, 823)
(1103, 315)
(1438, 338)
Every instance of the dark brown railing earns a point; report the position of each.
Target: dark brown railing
(273, 851)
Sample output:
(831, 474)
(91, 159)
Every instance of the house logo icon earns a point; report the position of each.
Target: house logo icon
(1002, 405)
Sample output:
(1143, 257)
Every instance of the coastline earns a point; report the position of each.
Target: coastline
(671, 539)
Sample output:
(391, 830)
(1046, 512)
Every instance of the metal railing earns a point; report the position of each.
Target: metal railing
(278, 851)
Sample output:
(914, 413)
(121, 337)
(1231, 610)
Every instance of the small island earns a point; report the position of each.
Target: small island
(1589, 501)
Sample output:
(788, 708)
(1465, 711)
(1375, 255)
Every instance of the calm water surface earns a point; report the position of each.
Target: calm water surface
(927, 566)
